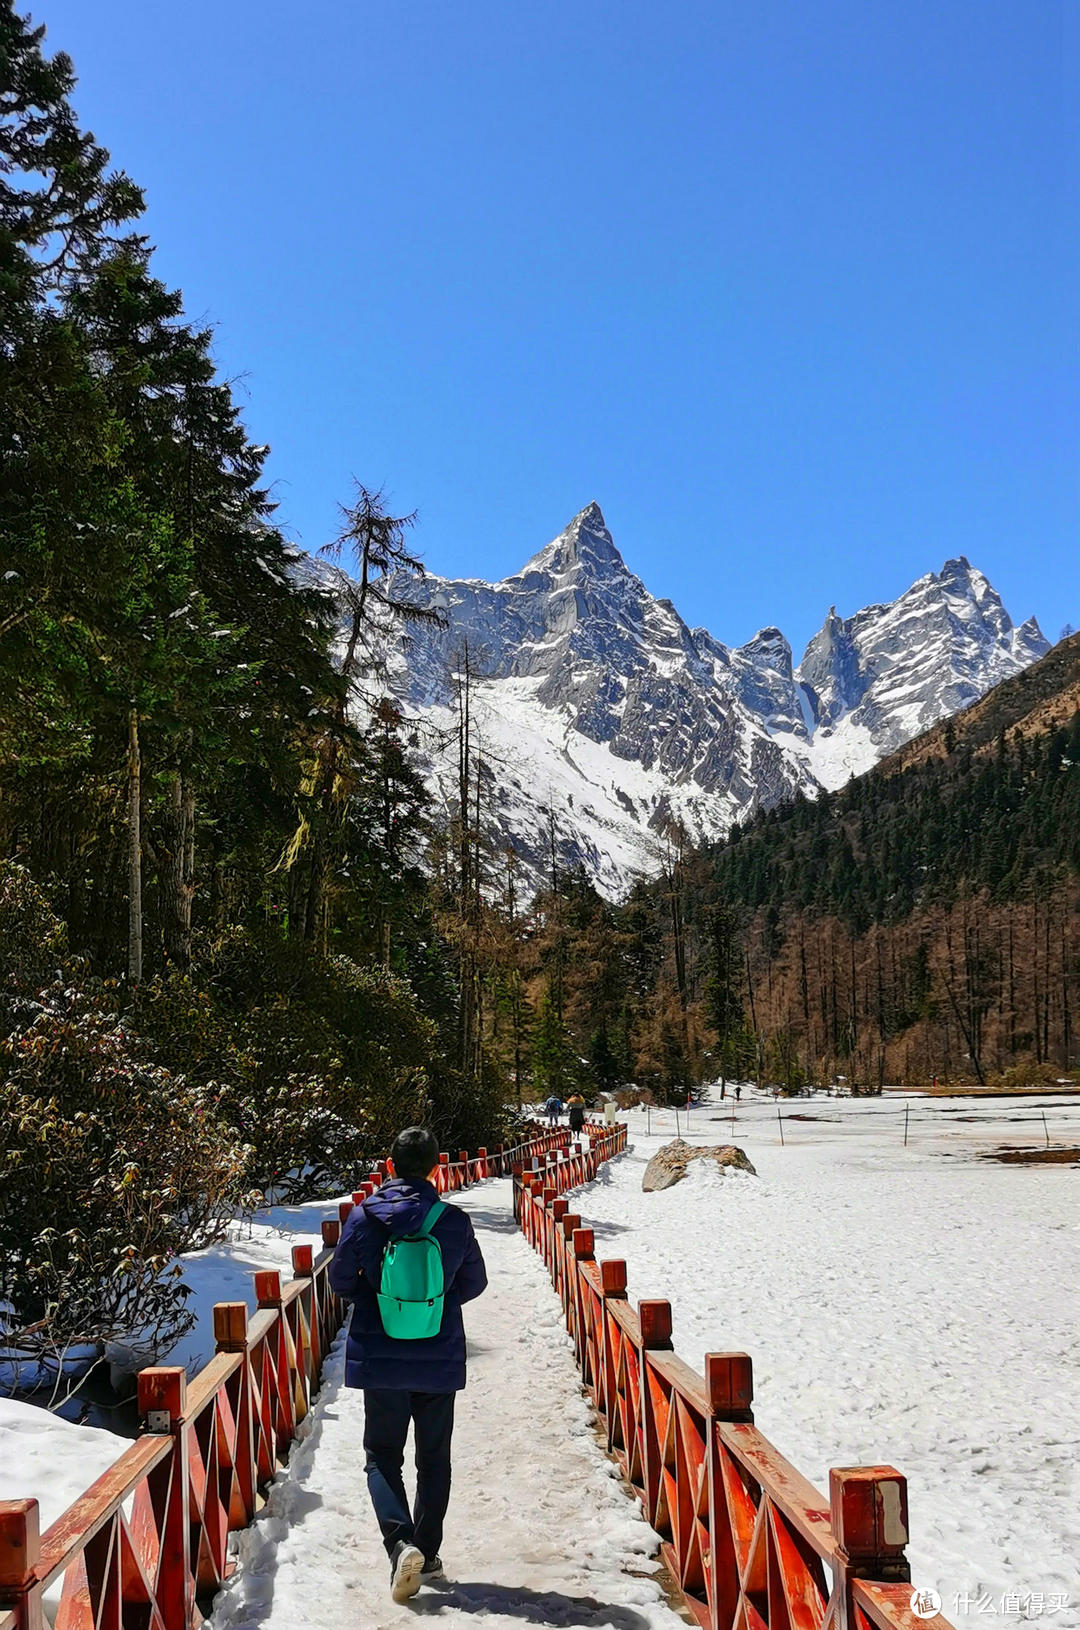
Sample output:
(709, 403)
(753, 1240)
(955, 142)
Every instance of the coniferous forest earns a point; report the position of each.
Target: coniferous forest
(238, 945)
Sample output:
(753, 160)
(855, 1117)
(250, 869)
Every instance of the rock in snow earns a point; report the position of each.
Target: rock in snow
(596, 701)
(668, 1165)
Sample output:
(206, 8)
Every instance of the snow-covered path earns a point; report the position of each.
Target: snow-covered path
(539, 1529)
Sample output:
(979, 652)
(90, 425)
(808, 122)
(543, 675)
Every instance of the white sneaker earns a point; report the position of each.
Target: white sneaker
(406, 1566)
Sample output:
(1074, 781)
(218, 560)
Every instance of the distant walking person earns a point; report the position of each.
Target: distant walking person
(553, 1109)
(738, 1093)
(575, 1105)
(408, 1262)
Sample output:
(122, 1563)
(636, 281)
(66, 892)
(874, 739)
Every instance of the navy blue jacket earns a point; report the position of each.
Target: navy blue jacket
(372, 1358)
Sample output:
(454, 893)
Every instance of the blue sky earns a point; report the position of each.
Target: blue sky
(790, 288)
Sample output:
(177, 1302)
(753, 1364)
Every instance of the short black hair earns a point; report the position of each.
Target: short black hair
(414, 1153)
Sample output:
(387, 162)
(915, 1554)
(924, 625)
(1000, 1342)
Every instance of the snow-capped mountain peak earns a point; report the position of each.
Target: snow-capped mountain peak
(593, 699)
(586, 547)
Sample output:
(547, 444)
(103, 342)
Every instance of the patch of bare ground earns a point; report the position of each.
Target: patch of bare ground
(1035, 1157)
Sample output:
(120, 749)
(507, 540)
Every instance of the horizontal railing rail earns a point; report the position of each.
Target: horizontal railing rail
(751, 1544)
(146, 1546)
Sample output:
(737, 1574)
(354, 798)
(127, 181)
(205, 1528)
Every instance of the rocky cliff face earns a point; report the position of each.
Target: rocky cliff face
(598, 710)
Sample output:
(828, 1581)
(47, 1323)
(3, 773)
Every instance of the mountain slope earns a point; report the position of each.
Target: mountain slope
(599, 713)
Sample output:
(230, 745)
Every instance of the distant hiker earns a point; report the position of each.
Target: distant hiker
(553, 1107)
(408, 1261)
(575, 1105)
(738, 1093)
(723, 1091)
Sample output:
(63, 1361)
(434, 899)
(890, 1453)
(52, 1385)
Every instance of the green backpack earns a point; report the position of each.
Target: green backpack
(412, 1286)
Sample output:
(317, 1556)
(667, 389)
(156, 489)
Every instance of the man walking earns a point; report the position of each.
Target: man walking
(408, 1377)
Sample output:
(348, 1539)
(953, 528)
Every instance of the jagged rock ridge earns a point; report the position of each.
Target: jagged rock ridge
(594, 699)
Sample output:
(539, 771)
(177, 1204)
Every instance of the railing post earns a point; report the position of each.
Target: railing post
(20, 1552)
(654, 1320)
(868, 1507)
(162, 1401)
(612, 1289)
(583, 1243)
(560, 1272)
(331, 1232)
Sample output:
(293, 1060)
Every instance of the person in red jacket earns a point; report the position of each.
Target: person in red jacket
(407, 1381)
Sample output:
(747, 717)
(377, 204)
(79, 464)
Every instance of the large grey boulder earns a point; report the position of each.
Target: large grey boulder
(668, 1165)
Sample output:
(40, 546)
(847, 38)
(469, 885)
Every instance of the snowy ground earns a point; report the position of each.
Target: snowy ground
(539, 1530)
(915, 1306)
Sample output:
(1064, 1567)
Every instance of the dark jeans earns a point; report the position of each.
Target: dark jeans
(387, 1413)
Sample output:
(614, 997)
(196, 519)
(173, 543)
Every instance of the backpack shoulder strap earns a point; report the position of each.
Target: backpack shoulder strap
(430, 1220)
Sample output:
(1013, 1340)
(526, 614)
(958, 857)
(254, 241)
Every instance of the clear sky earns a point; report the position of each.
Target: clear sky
(789, 286)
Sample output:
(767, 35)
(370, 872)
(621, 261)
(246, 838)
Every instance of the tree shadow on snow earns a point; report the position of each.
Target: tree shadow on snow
(550, 1607)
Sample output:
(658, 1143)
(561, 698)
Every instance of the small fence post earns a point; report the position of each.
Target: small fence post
(331, 1233)
(20, 1552)
(654, 1320)
(583, 1243)
(868, 1508)
(162, 1400)
(612, 1289)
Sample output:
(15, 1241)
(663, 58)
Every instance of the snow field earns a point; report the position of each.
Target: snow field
(539, 1528)
(913, 1306)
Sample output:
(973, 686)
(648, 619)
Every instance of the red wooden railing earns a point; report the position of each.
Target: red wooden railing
(750, 1543)
(148, 1540)
(146, 1547)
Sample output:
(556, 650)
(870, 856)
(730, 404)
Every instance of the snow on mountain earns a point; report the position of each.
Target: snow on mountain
(875, 680)
(597, 710)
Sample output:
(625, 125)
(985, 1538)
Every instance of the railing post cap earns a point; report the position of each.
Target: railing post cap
(729, 1383)
(163, 1387)
(613, 1277)
(331, 1231)
(303, 1264)
(20, 1542)
(583, 1243)
(570, 1220)
(654, 1317)
(230, 1326)
(868, 1506)
(268, 1287)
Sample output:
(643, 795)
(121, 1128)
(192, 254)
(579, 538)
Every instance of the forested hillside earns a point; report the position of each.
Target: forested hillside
(222, 971)
(923, 921)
